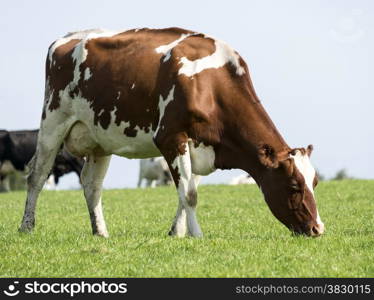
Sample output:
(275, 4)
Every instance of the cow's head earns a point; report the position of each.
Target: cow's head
(288, 186)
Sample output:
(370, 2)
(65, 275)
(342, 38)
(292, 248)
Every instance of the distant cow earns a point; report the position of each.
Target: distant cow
(50, 183)
(177, 93)
(155, 171)
(17, 149)
(242, 179)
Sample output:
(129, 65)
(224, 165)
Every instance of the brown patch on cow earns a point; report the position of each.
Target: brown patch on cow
(60, 72)
(195, 47)
(172, 146)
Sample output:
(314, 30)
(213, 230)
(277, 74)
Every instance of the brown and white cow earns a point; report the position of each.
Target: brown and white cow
(172, 92)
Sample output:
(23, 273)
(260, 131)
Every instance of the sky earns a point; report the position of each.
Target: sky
(308, 60)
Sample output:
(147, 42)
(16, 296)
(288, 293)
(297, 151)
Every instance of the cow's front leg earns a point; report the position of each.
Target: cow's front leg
(187, 192)
(179, 226)
(185, 220)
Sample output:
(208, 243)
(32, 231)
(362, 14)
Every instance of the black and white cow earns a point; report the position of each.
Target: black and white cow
(18, 147)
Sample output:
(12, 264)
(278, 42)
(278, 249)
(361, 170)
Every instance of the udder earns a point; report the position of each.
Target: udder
(80, 142)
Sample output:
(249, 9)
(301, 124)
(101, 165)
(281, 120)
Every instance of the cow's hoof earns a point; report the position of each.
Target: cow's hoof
(172, 231)
(196, 235)
(25, 229)
(101, 234)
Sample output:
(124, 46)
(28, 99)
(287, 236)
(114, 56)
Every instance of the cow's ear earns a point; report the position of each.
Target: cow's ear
(267, 156)
(309, 150)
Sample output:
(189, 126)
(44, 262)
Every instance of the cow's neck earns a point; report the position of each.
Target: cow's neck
(252, 129)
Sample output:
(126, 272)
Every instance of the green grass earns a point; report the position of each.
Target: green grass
(242, 238)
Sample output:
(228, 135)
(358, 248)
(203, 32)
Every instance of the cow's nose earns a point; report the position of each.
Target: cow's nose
(317, 230)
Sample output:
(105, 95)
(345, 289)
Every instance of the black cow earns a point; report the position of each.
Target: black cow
(18, 147)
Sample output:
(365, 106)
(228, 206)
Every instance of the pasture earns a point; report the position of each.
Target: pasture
(241, 237)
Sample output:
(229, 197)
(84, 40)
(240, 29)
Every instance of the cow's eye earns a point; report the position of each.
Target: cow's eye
(294, 185)
(315, 181)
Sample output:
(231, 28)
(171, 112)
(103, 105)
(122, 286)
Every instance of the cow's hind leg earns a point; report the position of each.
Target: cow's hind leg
(49, 143)
(92, 177)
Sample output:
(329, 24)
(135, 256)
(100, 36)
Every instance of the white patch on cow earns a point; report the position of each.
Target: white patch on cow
(305, 167)
(320, 224)
(118, 95)
(101, 112)
(111, 139)
(87, 74)
(162, 103)
(167, 56)
(174, 164)
(202, 158)
(133, 85)
(224, 54)
(166, 49)
(48, 93)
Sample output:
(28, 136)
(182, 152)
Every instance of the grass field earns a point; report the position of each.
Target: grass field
(242, 238)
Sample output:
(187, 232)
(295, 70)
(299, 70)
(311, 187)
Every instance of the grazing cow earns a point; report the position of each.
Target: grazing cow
(242, 179)
(155, 171)
(186, 96)
(17, 149)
